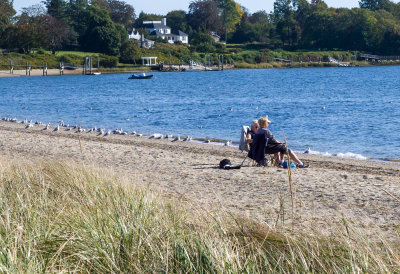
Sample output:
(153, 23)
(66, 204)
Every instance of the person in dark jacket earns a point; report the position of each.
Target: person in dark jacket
(265, 138)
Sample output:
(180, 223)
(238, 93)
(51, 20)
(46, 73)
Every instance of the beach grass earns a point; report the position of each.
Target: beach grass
(66, 218)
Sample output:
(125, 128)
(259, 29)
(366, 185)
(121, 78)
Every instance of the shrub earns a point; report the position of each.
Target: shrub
(107, 61)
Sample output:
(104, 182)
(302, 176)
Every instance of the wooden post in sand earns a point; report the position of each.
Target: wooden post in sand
(44, 69)
(61, 68)
(84, 66)
(90, 65)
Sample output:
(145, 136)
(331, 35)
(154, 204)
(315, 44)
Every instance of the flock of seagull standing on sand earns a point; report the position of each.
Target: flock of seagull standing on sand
(100, 131)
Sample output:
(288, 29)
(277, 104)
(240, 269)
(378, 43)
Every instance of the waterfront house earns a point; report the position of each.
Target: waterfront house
(139, 38)
(160, 29)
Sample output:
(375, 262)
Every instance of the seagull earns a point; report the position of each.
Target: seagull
(323, 107)
(61, 123)
(207, 141)
(47, 127)
(133, 133)
(228, 143)
(29, 126)
(117, 131)
(107, 133)
(178, 138)
(57, 128)
(101, 132)
(156, 136)
(187, 139)
(307, 151)
(170, 136)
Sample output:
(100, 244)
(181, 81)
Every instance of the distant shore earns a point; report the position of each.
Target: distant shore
(365, 193)
(56, 72)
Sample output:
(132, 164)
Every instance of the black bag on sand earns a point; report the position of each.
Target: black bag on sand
(226, 164)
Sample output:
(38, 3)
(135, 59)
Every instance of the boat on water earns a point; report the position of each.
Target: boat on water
(141, 76)
(193, 67)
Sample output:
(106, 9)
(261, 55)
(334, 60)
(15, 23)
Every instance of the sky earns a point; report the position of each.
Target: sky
(162, 7)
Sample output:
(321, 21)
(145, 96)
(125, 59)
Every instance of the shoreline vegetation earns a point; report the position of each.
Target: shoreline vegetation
(96, 204)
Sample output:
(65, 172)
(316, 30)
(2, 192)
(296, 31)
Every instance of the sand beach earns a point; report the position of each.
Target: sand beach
(364, 193)
(38, 72)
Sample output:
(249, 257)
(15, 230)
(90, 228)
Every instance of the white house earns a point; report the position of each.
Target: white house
(134, 35)
(160, 29)
(139, 38)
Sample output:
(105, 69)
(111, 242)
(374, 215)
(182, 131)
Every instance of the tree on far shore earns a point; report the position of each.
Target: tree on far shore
(6, 13)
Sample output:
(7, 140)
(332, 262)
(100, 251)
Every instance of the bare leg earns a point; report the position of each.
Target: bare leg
(294, 157)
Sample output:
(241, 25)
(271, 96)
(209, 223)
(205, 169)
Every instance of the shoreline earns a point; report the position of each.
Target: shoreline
(56, 72)
(235, 143)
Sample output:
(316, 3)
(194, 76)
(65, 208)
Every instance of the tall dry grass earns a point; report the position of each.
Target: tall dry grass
(65, 218)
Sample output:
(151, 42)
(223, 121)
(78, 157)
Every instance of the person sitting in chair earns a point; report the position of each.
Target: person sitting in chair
(264, 139)
(250, 136)
(253, 130)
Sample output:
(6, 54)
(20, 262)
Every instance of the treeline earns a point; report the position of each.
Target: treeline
(103, 25)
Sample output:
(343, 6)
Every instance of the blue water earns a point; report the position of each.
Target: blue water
(361, 114)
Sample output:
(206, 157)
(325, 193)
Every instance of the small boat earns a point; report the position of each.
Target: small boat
(141, 76)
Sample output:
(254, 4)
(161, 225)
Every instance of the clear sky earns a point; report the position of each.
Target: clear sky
(164, 6)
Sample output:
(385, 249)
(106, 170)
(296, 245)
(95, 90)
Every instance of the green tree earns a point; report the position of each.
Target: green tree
(203, 42)
(231, 13)
(6, 13)
(374, 4)
(204, 15)
(285, 21)
(120, 12)
(130, 52)
(253, 28)
(29, 30)
(57, 9)
(176, 20)
(101, 34)
(318, 29)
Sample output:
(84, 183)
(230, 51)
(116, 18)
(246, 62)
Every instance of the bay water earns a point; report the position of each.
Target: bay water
(347, 112)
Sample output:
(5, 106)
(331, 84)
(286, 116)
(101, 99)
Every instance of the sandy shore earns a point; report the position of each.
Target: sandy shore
(38, 72)
(362, 192)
